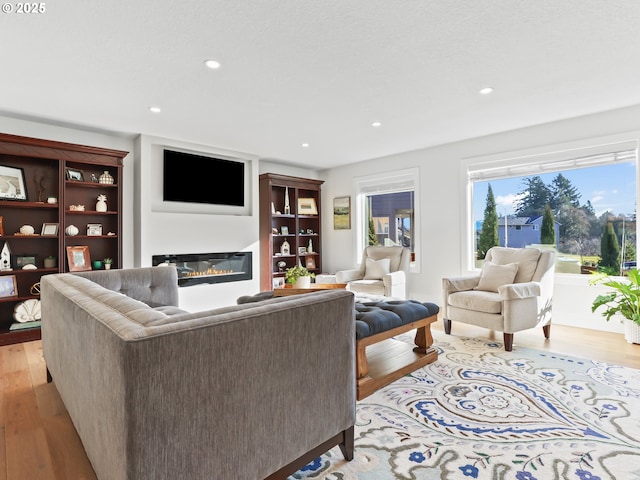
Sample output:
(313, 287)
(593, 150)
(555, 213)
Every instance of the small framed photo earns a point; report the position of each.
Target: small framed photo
(309, 231)
(8, 286)
(78, 258)
(302, 250)
(75, 175)
(311, 262)
(12, 185)
(49, 229)
(284, 230)
(342, 213)
(307, 206)
(22, 260)
(94, 229)
(278, 282)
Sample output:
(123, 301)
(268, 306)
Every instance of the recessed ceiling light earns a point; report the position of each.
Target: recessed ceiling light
(154, 109)
(376, 124)
(486, 91)
(212, 64)
(305, 145)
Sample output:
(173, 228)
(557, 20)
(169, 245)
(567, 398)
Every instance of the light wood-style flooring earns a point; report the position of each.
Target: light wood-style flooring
(39, 442)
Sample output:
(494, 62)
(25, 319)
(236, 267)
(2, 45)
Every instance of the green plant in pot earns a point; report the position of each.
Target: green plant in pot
(294, 273)
(107, 263)
(623, 300)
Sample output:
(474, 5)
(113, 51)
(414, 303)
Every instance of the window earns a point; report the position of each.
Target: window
(589, 193)
(385, 211)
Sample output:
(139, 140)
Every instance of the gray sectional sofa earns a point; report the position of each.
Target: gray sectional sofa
(246, 392)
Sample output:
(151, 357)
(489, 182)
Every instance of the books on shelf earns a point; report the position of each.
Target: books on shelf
(25, 325)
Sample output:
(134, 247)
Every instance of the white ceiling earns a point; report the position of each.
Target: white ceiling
(321, 71)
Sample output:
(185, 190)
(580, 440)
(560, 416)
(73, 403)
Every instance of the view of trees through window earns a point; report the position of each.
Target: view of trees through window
(587, 214)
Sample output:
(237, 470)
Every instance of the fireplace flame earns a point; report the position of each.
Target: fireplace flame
(209, 271)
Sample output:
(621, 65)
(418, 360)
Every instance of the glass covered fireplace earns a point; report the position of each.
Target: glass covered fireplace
(196, 268)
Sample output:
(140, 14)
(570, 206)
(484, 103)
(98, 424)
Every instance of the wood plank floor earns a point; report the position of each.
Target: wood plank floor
(39, 442)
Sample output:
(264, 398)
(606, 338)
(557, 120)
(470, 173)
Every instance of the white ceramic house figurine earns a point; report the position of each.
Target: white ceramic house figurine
(287, 207)
(285, 248)
(101, 205)
(5, 258)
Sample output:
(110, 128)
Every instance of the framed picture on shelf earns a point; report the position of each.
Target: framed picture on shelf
(307, 206)
(278, 282)
(94, 229)
(8, 286)
(22, 260)
(78, 258)
(12, 185)
(75, 175)
(310, 262)
(49, 229)
(284, 230)
(302, 250)
(342, 213)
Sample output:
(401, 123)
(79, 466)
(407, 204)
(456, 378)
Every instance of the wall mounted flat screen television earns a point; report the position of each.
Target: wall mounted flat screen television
(192, 178)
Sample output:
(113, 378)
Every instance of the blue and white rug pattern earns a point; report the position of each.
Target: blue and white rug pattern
(479, 412)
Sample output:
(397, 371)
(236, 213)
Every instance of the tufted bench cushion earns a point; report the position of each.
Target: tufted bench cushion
(378, 317)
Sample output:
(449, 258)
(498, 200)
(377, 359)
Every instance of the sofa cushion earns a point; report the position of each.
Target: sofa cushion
(376, 269)
(494, 276)
(478, 301)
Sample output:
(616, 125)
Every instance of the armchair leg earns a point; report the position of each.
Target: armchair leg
(508, 341)
(447, 326)
(547, 331)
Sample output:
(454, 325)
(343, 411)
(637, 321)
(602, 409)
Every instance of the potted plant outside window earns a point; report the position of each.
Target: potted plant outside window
(623, 300)
(299, 276)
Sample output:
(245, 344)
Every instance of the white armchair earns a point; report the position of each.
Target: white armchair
(383, 271)
(513, 292)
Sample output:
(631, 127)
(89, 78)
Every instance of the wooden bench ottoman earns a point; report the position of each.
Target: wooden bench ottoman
(379, 321)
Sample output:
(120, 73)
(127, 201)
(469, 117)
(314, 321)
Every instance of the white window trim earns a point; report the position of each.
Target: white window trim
(387, 182)
(511, 161)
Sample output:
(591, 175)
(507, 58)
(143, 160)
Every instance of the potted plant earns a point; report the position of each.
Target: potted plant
(623, 300)
(107, 263)
(299, 276)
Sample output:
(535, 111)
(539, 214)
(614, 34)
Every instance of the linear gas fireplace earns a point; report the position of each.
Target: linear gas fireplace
(196, 268)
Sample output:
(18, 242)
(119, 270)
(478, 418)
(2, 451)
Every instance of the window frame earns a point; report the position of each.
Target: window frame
(386, 182)
(523, 162)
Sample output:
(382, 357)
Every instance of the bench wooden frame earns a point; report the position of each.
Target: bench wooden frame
(426, 354)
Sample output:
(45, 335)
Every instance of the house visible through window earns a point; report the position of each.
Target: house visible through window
(386, 212)
(572, 205)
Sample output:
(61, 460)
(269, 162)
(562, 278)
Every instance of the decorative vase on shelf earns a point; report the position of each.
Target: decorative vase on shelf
(287, 207)
(106, 178)
(101, 205)
(71, 230)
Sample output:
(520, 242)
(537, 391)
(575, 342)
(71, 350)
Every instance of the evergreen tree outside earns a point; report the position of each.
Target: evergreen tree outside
(610, 250)
(489, 232)
(533, 199)
(372, 237)
(547, 230)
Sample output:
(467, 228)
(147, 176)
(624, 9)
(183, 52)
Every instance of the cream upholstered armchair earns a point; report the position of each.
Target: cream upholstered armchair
(513, 292)
(383, 271)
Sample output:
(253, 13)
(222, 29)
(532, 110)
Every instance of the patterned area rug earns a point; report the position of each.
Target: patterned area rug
(482, 413)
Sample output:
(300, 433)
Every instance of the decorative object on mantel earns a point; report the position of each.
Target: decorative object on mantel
(76, 208)
(106, 178)
(28, 311)
(5, 258)
(299, 276)
(71, 230)
(623, 301)
(101, 205)
(287, 207)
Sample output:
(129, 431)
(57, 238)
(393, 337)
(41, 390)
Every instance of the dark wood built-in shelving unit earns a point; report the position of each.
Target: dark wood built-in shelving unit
(45, 164)
(302, 227)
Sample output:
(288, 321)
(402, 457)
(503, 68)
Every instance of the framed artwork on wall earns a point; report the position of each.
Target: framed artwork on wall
(342, 213)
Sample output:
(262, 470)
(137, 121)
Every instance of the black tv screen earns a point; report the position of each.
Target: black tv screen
(194, 178)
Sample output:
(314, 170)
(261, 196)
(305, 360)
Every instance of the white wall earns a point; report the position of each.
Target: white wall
(442, 206)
